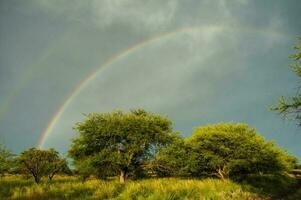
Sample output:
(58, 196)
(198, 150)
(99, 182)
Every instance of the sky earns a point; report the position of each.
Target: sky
(196, 61)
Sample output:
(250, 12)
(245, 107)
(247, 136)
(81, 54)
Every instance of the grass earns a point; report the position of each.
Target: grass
(63, 187)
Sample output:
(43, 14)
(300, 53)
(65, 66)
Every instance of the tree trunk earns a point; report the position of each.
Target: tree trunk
(221, 174)
(37, 179)
(50, 177)
(122, 177)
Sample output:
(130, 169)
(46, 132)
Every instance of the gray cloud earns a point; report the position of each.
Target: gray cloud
(150, 15)
(140, 15)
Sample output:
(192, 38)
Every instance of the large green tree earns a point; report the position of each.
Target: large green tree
(227, 150)
(290, 107)
(232, 150)
(119, 142)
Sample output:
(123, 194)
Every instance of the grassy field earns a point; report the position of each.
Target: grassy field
(15, 187)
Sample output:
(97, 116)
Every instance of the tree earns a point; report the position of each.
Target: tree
(41, 163)
(6, 160)
(291, 107)
(35, 162)
(119, 142)
(55, 164)
(84, 168)
(232, 150)
(173, 160)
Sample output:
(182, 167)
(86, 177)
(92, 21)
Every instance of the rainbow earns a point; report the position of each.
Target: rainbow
(76, 91)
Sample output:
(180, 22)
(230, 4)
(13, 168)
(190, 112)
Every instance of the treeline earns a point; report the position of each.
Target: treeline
(139, 144)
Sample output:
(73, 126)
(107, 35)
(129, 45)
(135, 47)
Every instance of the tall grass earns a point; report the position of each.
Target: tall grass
(151, 189)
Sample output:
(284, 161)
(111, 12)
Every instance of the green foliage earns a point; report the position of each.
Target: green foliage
(234, 150)
(224, 150)
(119, 142)
(172, 160)
(6, 160)
(271, 184)
(34, 162)
(56, 164)
(290, 107)
(39, 163)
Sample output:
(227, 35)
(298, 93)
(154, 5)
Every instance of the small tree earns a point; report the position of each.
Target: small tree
(119, 142)
(35, 162)
(173, 160)
(234, 150)
(84, 168)
(41, 163)
(6, 160)
(56, 164)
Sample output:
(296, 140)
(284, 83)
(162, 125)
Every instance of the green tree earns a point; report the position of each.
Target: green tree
(6, 160)
(173, 160)
(56, 164)
(291, 107)
(41, 163)
(84, 168)
(119, 142)
(35, 162)
(232, 150)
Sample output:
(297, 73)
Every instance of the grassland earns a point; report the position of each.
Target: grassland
(16, 187)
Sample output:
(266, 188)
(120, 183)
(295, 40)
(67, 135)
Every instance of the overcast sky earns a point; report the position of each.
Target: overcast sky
(197, 62)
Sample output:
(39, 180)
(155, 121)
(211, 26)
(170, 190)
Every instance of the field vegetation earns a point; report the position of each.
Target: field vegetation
(71, 187)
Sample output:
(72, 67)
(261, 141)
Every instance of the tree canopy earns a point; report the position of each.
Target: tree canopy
(224, 150)
(41, 163)
(119, 142)
(55, 164)
(234, 149)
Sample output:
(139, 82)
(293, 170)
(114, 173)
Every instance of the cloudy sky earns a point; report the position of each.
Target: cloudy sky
(198, 62)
